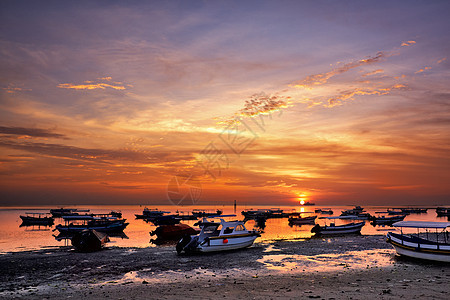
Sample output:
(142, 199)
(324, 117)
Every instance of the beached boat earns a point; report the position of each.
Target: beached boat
(217, 236)
(75, 224)
(332, 229)
(386, 220)
(89, 240)
(302, 220)
(34, 218)
(422, 245)
(175, 232)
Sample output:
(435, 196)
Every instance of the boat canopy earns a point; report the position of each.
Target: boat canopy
(421, 224)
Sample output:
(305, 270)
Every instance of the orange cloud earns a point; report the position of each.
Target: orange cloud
(350, 94)
(422, 70)
(408, 43)
(322, 78)
(373, 73)
(92, 85)
(442, 60)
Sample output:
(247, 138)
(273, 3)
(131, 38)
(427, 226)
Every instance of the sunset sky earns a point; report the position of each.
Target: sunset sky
(207, 102)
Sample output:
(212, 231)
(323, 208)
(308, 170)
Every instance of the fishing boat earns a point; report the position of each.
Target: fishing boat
(332, 229)
(383, 220)
(301, 220)
(426, 245)
(325, 211)
(74, 224)
(217, 236)
(89, 240)
(34, 218)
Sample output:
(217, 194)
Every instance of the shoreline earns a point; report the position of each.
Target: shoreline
(328, 268)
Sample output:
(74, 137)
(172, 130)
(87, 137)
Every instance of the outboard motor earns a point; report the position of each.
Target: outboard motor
(183, 243)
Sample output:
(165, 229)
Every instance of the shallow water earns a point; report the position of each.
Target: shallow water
(15, 238)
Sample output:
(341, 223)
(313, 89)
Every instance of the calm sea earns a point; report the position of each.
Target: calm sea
(14, 238)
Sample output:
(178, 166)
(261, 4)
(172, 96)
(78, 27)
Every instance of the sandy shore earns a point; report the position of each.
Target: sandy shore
(353, 267)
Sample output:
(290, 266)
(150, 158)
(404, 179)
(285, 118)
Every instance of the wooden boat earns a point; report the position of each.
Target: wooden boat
(217, 236)
(33, 218)
(332, 229)
(426, 245)
(386, 220)
(302, 220)
(75, 224)
(165, 220)
(269, 213)
(89, 240)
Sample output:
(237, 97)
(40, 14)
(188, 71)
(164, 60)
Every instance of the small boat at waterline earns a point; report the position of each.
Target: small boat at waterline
(426, 245)
(89, 240)
(332, 229)
(302, 220)
(218, 236)
(386, 220)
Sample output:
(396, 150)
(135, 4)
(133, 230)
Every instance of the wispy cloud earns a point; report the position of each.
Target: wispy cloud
(322, 78)
(373, 73)
(442, 60)
(408, 43)
(422, 70)
(99, 83)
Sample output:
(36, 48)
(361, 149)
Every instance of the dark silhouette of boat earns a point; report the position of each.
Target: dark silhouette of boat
(32, 218)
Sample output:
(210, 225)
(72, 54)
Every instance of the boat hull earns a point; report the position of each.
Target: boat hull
(338, 230)
(232, 243)
(424, 251)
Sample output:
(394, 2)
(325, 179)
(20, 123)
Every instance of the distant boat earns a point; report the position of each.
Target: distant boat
(151, 213)
(352, 212)
(443, 212)
(332, 229)
(386, 220)
(324, 211)
(269, 213)
(61, 212)
(89, 240)
(218, 236)
(427, 245)
(301, 220)
(201, 213)
(307, 203)
(32, 218)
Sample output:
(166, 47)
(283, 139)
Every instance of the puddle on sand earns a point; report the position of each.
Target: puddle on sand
(327, 262)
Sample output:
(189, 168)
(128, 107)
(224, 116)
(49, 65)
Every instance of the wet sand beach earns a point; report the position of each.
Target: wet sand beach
(352, 267)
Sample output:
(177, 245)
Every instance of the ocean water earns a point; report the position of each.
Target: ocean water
(15, 238)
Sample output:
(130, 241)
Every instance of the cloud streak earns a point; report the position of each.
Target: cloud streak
(322, 78)
(93, 85)
(31, 132)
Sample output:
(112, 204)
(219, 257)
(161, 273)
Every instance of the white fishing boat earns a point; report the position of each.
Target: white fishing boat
(427, 245)
(218, 236)
(333, 229)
